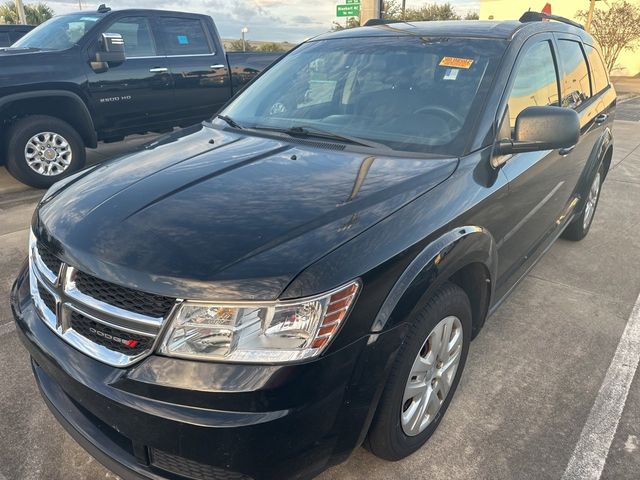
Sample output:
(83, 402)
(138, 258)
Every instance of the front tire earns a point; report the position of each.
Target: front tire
(579, 226)
(42, 150)
(424, 377)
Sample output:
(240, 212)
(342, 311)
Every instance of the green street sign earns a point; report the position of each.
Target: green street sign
(351, 10)
(352, 1)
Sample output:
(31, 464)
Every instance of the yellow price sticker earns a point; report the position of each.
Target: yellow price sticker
(456, 62)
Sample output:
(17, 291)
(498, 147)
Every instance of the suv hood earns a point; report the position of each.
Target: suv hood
(213, 214)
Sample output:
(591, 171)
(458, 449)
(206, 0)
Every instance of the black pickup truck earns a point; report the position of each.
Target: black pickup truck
(99, 76)
(9, 34)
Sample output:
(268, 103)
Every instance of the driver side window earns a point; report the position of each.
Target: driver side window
(536, 81)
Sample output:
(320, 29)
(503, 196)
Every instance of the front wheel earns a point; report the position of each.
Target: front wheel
(579, 226)
(42, 150)
(424, 377)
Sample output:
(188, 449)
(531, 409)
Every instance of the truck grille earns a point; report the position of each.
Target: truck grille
(111, 323)
(191, 469)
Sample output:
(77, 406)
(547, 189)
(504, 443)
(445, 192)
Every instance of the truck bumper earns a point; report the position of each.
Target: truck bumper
(170, 418)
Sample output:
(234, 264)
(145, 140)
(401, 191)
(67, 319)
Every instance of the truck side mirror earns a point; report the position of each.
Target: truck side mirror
(111, 52)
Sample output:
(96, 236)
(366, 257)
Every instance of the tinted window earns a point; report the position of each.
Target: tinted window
(599, 75)
(183, 36)
(58, 33)
(409, 93)
(575, 81)
(5, 40)
(536, 81)
(137, 36)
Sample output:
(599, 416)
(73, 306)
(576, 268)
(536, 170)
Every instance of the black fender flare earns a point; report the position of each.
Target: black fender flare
(433, 266)
(84, 125)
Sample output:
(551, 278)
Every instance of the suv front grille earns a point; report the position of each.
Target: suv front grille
(191, 469)
(49, 259)
(112, 338)
(125, 298)
(111, 323)
(48, 299)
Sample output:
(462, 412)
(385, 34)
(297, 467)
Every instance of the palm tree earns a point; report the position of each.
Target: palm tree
(35, 13)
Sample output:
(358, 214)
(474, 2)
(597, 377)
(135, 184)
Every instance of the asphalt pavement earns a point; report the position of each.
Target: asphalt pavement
(547, 367)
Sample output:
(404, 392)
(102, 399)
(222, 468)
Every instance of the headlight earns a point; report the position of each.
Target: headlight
(258, 332)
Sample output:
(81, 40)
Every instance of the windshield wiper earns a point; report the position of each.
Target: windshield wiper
(309, 131)
(230, 121)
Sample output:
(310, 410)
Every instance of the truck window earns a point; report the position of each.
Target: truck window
(536, 81)
(575, 79)
(136, 34)
(599, 75)
(184, 36)
(58, 33)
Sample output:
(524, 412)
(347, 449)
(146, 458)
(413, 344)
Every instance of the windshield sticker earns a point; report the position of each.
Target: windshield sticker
(183, 40)
(451, 74)
(456, 62)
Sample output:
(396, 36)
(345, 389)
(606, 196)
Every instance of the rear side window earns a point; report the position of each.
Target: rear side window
(575, 79)
(599, 77)
(536, 81)
(137, 36)
(184, 36)
(5, 40)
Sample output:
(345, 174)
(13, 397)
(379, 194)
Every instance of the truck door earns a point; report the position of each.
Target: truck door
(135, 95)
(198, 66)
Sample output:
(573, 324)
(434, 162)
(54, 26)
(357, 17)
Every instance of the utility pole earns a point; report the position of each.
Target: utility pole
(22, 18)
(244, 44)
(404, 7)
(592, 6)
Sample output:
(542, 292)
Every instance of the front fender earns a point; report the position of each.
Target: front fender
(433, 266)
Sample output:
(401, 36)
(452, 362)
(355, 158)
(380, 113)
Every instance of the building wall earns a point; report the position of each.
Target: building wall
(629, 62)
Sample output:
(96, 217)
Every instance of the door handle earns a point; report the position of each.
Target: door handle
(216, 66)
(159, 70)
(601, 118)
(566, 151)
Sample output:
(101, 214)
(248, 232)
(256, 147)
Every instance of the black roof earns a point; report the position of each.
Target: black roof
(505, 30)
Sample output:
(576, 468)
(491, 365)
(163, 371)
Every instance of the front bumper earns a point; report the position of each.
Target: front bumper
(171, 418)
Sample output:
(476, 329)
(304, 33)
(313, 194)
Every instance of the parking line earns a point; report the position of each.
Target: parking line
(4, 329)
(590, 454)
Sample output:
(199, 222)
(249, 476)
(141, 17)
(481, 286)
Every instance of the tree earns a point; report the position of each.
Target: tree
(272, 47)
(472, 15)
(35, 13)
(236, 46)
(616, 29)
(351, 22)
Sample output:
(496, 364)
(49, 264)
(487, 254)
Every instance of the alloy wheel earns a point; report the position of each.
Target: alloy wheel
(48, 153)
(592, 201)
(431, 376)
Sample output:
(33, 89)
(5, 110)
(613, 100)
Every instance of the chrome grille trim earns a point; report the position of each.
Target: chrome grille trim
(68, 298)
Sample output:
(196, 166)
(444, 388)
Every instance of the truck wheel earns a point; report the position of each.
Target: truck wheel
(42, 150)
(425, 375)
(579, 226)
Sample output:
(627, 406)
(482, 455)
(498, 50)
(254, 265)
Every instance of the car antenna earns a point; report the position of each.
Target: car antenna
(103, 9)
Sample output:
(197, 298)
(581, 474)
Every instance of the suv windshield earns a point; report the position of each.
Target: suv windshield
(58, 33)
(408, 93)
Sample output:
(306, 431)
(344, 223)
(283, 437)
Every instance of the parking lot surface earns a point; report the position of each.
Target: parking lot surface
(530, 385)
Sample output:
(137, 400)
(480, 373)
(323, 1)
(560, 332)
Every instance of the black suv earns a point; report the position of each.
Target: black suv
(257, 296)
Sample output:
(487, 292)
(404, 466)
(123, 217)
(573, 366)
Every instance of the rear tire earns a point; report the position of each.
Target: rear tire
(581, 224)
(42, 150)
(414, 402)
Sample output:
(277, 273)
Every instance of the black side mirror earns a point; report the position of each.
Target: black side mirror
(542, 128)
(111, 52)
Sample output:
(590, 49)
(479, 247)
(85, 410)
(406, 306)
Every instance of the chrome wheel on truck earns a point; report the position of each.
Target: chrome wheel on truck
(48, 153)
(42, 150)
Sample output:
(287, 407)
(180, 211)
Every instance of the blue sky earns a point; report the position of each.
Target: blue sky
(278, 20)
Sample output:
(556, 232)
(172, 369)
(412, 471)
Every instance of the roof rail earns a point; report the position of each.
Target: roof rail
(540, 16)
(372, 22)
